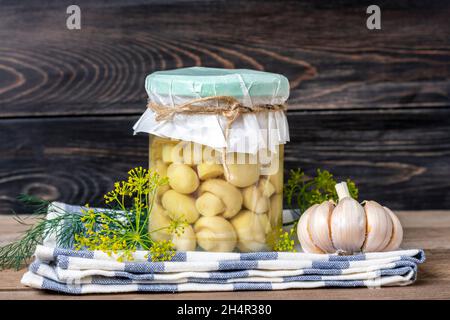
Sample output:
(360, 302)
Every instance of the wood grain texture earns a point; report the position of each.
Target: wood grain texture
(75, 160)
(399, 158)
(423, 229)
(46, 69)
(370, 105)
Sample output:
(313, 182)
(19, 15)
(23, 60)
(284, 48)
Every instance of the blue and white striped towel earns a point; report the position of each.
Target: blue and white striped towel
(83, 272)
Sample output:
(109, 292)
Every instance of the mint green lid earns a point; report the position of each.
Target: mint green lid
(199, 82)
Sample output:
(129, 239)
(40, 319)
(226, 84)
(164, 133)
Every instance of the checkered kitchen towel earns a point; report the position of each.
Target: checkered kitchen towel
(82, 272)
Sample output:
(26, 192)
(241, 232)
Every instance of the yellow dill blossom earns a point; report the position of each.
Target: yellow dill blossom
(285, 243)
(163, 250)
(176, 227)
(124, 228)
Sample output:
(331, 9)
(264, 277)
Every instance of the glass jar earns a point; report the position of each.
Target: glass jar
(230, 199)
(230, 203)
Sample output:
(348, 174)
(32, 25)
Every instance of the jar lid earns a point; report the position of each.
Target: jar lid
(200, 82)
(250, 131)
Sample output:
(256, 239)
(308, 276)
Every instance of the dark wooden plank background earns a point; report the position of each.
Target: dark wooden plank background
(370, 105)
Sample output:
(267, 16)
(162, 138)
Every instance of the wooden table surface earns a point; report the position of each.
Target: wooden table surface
(429, 230)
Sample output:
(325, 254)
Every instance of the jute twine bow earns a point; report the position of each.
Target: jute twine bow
(229, 107)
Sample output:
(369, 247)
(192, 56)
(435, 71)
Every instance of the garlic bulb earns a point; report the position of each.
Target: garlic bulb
(348, 227)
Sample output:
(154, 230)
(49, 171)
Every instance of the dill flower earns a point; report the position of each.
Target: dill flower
(123, 230)
(285, 243)
(163, 250)
(177, 226)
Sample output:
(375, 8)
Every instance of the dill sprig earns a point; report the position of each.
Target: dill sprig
(120, 229)
(124, 234)
(301, 192)
(64, 227)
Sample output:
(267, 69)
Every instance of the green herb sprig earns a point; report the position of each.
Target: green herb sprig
(64, 227)
(301, 192)
(123, 234)
(120, 229)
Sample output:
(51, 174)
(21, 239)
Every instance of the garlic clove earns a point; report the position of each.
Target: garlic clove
(397, 232)
(379, 227)
(303, 234)
(319, 228)
(348, 226)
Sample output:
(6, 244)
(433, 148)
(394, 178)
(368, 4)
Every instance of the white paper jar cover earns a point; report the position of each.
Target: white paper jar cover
(228, 206)
(175, 87)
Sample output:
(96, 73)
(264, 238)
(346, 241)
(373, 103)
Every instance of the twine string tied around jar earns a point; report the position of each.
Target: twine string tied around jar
(227, 106)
